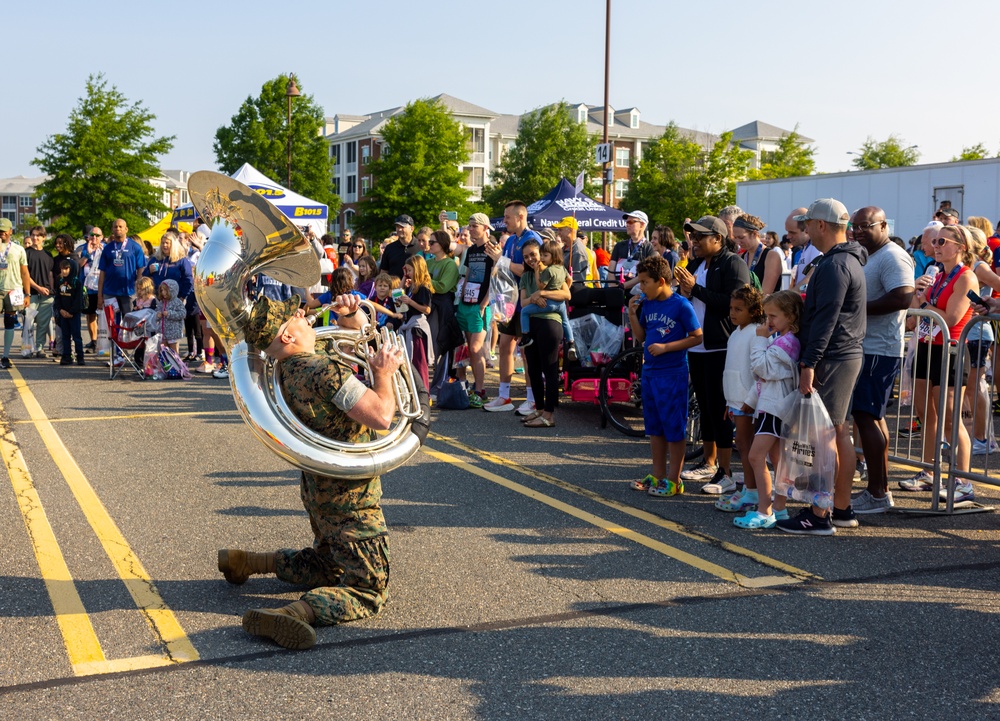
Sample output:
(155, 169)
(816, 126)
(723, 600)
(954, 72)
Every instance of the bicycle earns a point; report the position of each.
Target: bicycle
(620, 396)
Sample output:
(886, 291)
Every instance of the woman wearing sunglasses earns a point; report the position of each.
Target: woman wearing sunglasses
(356, 248)
(946, 293)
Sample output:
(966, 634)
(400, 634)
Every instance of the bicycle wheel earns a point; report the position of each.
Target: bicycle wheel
(620, 394)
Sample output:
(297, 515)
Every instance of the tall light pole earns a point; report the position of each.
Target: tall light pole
(291, 92)
(607, 65)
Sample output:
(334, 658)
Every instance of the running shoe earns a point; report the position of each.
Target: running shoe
(807, 523)
(844, 518)
(984, 447)
(701, 472)
(526, 408)
(720, 483)
(919, 482)
(864, 503)
(499, 405)
(963, 492)
(476, 400)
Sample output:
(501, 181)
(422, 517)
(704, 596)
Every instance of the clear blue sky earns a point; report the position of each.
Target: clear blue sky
(925, 71)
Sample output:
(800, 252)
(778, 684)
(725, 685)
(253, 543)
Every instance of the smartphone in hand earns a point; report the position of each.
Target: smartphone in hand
(452, 215)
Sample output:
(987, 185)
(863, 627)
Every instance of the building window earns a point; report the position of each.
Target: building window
(634, 119)
(9, 202)
(366, 154)
(335, 154)
(336, 186)
(621, 187)
(352, 152)
(349, 219)
(622, 157)
(475, 143)
(366, 184)
(26, 201)
(352, 184)
(581, 115)
(473, 178)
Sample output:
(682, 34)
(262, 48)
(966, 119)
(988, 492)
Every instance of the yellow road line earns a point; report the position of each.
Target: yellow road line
(78, 634)
(632, 511)
(677, 554)
(138, 582)
(131, 415)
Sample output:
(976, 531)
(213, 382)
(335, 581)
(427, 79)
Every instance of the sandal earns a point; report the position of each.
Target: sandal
(540, 422)
(735, 503)
(755, 520)
(644, 484)
(531, 416)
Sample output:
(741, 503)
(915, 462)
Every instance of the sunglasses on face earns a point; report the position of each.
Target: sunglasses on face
(867, 226)
(941, 241)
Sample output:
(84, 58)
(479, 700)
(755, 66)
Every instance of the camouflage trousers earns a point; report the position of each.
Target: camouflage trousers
(349, 577)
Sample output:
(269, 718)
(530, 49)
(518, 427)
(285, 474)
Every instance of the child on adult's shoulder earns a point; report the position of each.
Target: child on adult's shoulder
(774, 361)
(666, 324)
(68, 304)
(549, 274)
(740, 388)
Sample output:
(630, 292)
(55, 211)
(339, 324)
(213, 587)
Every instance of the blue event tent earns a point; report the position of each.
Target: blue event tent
(564, 200)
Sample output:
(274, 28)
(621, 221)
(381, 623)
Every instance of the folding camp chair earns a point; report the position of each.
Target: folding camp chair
(124, 338)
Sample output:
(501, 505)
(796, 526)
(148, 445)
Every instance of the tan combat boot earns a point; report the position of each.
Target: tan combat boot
(237, 566)
(289, 626)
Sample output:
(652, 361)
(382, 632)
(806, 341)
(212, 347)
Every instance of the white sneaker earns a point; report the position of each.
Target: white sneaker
(720, 483)
(982, 448)
(921, 481)
(701, 472)
(499, 405)
(526, 408)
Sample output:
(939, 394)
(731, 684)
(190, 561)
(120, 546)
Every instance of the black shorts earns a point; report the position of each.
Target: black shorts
(91, 308)
(927, 366)
(766, 424)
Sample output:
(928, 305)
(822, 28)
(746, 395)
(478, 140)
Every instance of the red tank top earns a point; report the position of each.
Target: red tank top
(941, 303)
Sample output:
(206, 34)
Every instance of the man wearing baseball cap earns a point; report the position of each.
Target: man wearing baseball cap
(395, 255)
(831, 333)
(15, 284)
(947, 216)
(575, 255)
(626, 254)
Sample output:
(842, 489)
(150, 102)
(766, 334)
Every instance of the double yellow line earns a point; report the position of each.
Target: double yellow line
(82, 645)
(786, 574)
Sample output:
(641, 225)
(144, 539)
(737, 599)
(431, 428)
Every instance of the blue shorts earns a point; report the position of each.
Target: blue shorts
(737, 413)
(665, 405)
(874, 386)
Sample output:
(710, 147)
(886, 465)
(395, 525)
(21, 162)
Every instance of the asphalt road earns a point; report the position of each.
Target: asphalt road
(528, 581)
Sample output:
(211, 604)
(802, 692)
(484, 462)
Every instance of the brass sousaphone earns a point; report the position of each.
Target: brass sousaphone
(249, 236)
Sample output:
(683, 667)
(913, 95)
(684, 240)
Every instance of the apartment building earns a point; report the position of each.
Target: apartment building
(355, 140)
(18, 201)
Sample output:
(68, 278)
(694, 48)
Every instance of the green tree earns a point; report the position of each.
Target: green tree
(418, 171)
(975, 152)
(678, 179)
(550, 145)
(792, 159)
(100, 166)
(888, 153)
(259, 134)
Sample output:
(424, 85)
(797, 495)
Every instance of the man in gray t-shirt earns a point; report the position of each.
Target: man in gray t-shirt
(889, 282)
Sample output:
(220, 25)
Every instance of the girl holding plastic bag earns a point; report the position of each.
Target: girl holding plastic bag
(774, 362)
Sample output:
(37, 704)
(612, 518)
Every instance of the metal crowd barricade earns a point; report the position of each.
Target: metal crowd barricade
(912, 453)
(954, 472)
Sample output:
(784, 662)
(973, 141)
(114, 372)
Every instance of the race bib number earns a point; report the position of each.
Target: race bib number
(470, 294)
(17, 297)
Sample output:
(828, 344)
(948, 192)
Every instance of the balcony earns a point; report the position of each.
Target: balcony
(479, 158)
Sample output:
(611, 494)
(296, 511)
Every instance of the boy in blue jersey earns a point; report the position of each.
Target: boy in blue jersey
(667, 326)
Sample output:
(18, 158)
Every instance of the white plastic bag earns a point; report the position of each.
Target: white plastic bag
(607, 342)
(503, 295)
(103, 341)
(584, 329)
(807, 459)
(28, 332)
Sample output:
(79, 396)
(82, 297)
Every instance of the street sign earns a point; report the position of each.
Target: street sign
(603, 152)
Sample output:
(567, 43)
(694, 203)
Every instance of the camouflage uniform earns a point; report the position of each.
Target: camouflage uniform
(348, 563)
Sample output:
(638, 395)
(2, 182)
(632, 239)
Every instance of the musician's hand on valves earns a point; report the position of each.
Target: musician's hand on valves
(387, 360)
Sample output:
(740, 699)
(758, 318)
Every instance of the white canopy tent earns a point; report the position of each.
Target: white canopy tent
(300, 210)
